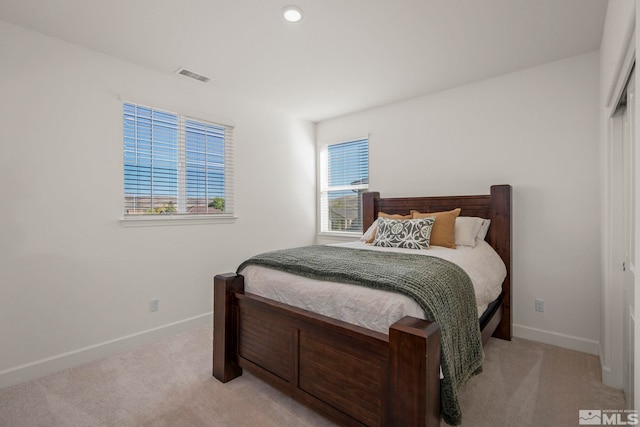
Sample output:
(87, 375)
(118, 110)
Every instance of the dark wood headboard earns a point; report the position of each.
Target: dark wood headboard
(495, 206)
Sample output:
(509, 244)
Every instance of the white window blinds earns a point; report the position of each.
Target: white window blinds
(175, 164)
(344, 177)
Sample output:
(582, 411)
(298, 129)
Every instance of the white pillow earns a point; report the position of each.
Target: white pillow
(368, 235)
(467, 229)
(483, 230)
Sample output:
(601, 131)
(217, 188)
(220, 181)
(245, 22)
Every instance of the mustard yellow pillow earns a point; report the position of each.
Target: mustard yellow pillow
(394, 216)
(384, 215)
(443, 232)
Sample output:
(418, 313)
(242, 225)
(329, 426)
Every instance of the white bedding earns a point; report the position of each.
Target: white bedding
(372, 308)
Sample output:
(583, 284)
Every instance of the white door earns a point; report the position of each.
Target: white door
(627, 169)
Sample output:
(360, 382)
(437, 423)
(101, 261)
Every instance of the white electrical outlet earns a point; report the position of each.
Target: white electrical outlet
(539, 304)
(154, 304)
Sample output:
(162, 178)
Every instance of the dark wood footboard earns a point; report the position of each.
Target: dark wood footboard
(351, 374)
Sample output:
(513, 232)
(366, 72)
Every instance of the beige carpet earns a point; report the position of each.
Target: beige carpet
(169, 383)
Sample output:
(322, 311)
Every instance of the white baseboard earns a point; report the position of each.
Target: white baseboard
(554, 338)
(63, 361)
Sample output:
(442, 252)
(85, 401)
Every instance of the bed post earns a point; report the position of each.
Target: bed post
(368, 209)
(500, 238)
(413, 397)
(225, 359)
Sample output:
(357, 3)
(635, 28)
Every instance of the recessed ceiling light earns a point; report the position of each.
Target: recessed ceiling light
(292, 13)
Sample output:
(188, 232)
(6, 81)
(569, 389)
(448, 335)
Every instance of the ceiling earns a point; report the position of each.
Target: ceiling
(344, 56)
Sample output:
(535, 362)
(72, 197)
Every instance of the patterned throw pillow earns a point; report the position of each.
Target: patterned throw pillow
(404, 233)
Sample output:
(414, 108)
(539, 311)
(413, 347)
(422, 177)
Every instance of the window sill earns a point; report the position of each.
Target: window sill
(340, 234)
(164, 220)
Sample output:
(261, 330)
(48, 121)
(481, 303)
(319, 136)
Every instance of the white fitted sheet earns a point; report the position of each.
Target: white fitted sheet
(373, 308)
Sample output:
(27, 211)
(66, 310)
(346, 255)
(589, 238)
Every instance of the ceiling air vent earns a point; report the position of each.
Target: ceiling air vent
(199, 77)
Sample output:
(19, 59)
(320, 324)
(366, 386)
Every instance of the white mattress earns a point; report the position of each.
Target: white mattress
(372, 308)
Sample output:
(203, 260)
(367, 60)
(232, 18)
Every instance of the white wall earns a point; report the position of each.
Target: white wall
(535, 129)
(74, 283)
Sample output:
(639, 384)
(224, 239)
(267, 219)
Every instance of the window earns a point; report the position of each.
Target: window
(344, 169)
(175, 165)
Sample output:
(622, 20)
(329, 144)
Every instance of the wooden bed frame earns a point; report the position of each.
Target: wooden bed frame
(353, 375)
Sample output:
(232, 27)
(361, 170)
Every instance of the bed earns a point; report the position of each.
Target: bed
(354, 375)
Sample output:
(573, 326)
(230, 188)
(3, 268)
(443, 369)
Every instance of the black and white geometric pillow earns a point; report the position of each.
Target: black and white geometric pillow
(404, 233)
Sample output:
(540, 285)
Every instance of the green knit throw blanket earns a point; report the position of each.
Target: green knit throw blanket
(441, 288)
